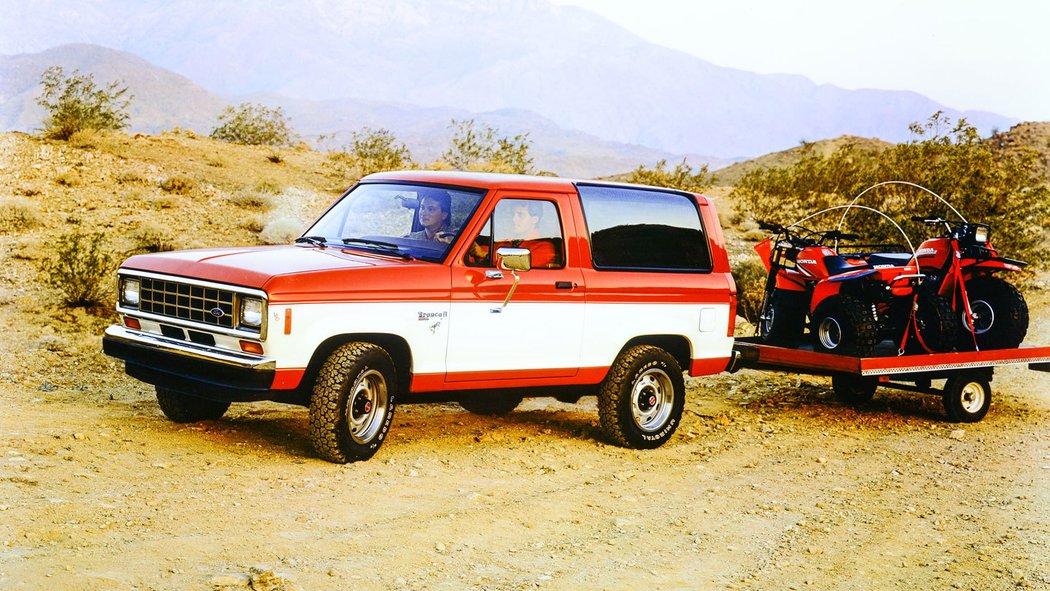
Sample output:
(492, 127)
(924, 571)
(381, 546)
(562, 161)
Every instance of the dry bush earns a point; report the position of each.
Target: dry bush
(254, 224)
(80, 269)
(275, 157)
(17, 214)
(178, 184)
(130, 178)
(268, 186)
(281, 231)
(85, 139)
(249, 199)
(151, 237)
(750, 276)
(68, 178)
(162, 202)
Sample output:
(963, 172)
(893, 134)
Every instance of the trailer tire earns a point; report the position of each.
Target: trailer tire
(1001, 315)
(491, 403)
(844, 325)
(783, 320)
(854, 390)
(183, 408)
(641, 400)
(967, 398)
(353, 403)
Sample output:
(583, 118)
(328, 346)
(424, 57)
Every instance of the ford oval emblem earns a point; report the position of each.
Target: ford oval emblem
(217, 312)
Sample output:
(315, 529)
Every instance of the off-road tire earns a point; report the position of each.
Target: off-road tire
(353, 403)
(640, 402)
(967, 398)
(183, 408)
(937, 323)
(844, 325)
(1008, 323)
(784, 318)
(854, 390)
(491, 403)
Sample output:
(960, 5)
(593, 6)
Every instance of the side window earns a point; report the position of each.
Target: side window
(521, 223)
(644, 229)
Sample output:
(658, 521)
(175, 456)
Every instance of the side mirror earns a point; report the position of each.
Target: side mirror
(514, 259)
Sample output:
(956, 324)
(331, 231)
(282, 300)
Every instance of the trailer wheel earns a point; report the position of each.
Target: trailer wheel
(1000, 315)
(183, 408)
(640, 402)
(782, 321)
(352, 404)
(844, 325)
(854, 390)
(491, 403)
(967, 398)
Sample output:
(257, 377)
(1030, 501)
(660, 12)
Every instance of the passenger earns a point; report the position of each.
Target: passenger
(435, 213)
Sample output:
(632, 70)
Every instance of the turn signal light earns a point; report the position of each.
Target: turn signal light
(132, 323)
(252, 347)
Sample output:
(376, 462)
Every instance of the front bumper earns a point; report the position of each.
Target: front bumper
(189, 368)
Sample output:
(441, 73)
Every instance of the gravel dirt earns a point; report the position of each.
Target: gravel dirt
(768, 484)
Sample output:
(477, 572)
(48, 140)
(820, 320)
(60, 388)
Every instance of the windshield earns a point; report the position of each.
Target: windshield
(401, 219)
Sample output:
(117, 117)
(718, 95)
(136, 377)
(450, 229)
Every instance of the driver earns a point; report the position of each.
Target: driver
(435, 212)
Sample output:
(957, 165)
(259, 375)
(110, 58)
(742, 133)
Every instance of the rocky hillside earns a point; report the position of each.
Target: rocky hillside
(1027, 136)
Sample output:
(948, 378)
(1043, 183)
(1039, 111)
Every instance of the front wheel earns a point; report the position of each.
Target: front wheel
(1000, 315)
(183, 408)
(641, 400)
(936, 323)
(353, 403)
(967, 398)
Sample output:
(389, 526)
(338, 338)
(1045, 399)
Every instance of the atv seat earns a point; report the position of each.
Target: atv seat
(896, 259)
(837, 265)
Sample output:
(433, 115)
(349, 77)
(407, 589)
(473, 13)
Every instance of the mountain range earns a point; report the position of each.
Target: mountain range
(410, 66)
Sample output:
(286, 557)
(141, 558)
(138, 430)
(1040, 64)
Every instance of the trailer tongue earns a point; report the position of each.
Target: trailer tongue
(966, 392)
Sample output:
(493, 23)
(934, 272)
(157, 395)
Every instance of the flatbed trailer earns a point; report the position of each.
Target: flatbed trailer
(966, 393)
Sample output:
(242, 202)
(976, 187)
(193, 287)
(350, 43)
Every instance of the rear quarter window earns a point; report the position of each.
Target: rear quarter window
(644, 229)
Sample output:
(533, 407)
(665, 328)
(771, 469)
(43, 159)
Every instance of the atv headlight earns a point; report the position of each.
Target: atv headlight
(251, 312)
(129, 291)
(980, 234)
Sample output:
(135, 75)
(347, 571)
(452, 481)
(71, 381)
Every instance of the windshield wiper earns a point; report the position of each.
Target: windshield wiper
(320, 241)
(386, 246)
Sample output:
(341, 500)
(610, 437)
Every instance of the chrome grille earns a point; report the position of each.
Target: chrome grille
(187, 302)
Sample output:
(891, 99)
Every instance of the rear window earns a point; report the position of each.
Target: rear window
(644, 229)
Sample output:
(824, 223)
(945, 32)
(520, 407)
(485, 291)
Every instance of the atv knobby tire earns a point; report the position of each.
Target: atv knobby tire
(640, 402)
(784, 318)
(936, 322)
(844, 325)
(1000, 315)
(353, 403)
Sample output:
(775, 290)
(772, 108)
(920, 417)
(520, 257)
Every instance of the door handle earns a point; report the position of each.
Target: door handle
(564, 285)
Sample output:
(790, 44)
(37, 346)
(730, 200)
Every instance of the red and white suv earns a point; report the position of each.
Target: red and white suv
(427, 286)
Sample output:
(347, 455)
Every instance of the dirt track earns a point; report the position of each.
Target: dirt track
(769, 484)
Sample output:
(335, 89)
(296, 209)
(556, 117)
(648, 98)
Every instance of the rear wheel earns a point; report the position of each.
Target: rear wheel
(183, 408)
(936, 322)
(784, 318)
(854, 390)
(491, 403)
(353, 403)
(640, 402)
(967, 398)
(844, 325)
(1000, 315)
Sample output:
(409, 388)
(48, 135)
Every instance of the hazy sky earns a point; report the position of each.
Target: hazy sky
(991, 55)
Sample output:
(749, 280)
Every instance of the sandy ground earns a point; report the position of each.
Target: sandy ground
(769, 484)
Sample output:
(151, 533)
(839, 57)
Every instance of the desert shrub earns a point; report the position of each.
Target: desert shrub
(79, 269)
(253, 125)
(275, 157)
(178, 185)
(130, 178)
(17, 214)
(150, 237)
(750, 276)
(85, 139)
(68, 178)
(474, 147)
(248, 199)
(74, 103)
(281, 231)
(254, 224)
(947, 158)
(268, 186)
(682, 177)
(369, 151)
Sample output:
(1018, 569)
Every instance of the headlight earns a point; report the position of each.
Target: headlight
(129, 291)
(251, 312)
(980, 234)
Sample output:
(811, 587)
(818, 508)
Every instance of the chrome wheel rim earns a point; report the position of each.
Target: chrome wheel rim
(983, 317)
(972, 397)
(829, 333)
(366, 406)
(651, 400)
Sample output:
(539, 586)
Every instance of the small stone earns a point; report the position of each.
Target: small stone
(957, 434)
(230, 580)
(440, 548)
